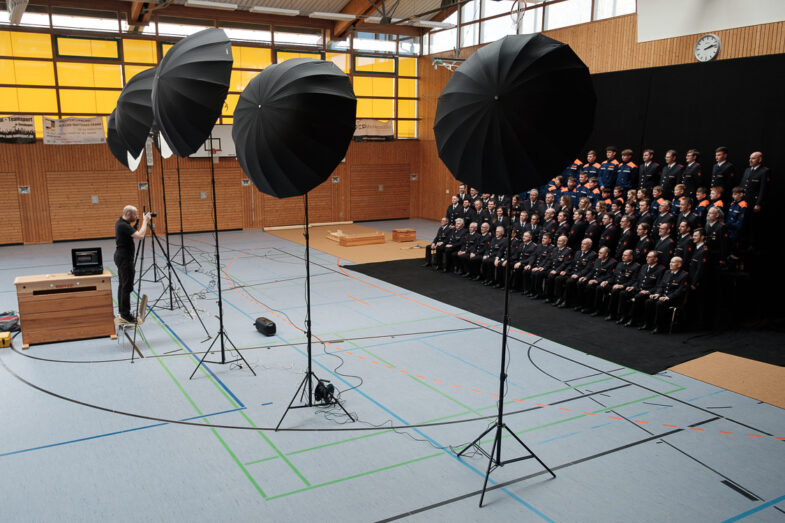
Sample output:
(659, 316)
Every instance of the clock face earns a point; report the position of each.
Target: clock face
(707, 48)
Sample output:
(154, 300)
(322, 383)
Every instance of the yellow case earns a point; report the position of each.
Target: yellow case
(5, 339)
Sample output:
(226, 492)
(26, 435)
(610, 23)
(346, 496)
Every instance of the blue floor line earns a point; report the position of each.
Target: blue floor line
(754, 510)
(558, 437)
(50, 445)
(341, 378)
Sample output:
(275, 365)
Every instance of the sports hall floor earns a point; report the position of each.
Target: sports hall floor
(86, 435)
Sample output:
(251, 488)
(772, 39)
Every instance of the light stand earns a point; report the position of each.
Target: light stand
(306, 385)
(221, 333)
(154, 265)
(495, 456)
(183, 249)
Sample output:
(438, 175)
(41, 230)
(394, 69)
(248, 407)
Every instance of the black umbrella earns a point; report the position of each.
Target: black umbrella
(514, 114)
(293, 124)
(116, 144)
(190, 87)
(134, 113)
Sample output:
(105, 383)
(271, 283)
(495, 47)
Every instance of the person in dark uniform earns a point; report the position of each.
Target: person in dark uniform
(723, 173)
(577, 229)
(670, 292)
(550, 203)
(644, 212)
(593, 229)
(686, 214)
(476, 214)
(644, 244)
(549, 223)
(627, 174)
(627, 238)
(462, 194)
(438, 242)
(755, 183)
(454, 244)
(665, 216)
(665, 245)
(466, 212)
(632, 306)
(462, 256)
(125, 233)
(474, 196)
(566, 281)
(671, 174)
(609, 235)
(534, 227)
(692, 175)
(606, 174)
(696, 270)
(716, 238)
(525, 258)
(602, 270)
(562, 259)
(533, 205)
(590, 168)
(453, 210)
(562, 225)
(507, 256)
(538, 262)
(624, 275)
(649, 171)
(495, 251)
(539, 274)
(479, 251)
(734, 221)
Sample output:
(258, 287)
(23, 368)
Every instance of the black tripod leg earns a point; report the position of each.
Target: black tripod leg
(546, 467)
(302, 386)
(496, 443)
(240, 354)
(203, 358)
(476, 440)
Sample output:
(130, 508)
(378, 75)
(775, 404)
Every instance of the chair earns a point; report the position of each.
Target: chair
(123, 327)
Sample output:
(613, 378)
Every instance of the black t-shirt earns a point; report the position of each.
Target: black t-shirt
(123, 232)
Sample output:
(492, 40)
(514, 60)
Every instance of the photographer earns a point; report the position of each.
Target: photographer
(124, 257)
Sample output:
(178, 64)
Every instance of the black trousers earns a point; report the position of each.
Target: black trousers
(125, 273)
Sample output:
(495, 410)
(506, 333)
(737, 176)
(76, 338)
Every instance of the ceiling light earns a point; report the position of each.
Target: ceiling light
(274, 11)
(333, 16)
(431, 24)
(211, 5)
(378, 20)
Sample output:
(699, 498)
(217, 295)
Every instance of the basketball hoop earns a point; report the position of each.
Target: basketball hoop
(215, 153)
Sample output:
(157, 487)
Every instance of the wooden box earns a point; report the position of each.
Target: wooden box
(404, 235)
(62, 307)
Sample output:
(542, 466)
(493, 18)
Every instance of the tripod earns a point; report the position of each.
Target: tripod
(499, 427)
(306, 386)
(183, 249)
(154, 265)
(172, 272)
(221, 332)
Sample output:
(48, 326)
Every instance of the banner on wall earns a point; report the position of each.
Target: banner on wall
(368, 129)
(74, 131)
(17, 129)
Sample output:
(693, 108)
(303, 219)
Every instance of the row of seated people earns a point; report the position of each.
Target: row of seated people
(588, 280)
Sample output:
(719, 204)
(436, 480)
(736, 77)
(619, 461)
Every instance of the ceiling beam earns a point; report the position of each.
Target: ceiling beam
(354, 7)
(139, 15)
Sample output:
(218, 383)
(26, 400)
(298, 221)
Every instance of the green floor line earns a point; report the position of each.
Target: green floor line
(355, 476)
(277, 450)
(349, 440)
(444, 394)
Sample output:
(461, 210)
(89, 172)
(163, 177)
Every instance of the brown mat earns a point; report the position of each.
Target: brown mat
(754, 379)
(387, 251)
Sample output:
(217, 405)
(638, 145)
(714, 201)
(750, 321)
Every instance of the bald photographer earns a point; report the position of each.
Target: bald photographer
(125, 233)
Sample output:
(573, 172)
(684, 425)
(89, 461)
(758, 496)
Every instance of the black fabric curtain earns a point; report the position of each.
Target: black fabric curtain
(737, 103)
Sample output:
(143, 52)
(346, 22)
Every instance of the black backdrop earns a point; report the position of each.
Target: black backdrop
(737, 103)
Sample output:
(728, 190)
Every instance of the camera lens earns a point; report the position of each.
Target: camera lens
(153, 214)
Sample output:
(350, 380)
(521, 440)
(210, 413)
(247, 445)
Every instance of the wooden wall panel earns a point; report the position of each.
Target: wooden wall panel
(197, 200)
(379, 192)
(12, 220)
(75, 216)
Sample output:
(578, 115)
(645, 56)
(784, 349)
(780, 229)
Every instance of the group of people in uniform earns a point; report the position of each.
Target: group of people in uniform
(615, 239)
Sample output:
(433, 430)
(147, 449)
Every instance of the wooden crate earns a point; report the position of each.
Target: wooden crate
(404, 235)
(354, 240)
(62, 307)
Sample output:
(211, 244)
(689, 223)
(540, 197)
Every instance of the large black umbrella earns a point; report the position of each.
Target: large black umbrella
(116, 144)
(190, 87)
(293, 124)
(134, 113)
(514, 114)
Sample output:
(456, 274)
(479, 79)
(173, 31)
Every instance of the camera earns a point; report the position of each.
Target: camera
(153, 214)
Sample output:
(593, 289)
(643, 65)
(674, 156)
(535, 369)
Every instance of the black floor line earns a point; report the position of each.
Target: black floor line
(529, 476)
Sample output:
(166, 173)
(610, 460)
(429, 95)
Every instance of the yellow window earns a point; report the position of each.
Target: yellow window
(35, 100)
(407, 129)
(165, 49)
(374, 64)
(133, 70)
(77, 101)
(5, 44)
(29, 72)
(374, 108)
(282, 56)
(75, 74)
(8, 100)
(339, 59)
(407, 66)
(86, 47)
(7, 74)
(230, 104)
(407, 87)
(374, 86)
(33, 45)
(142, 51)
(107, 75)
(239, 79)
(227, 121)
(407, 109)
(106, 101)
(251, 57)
